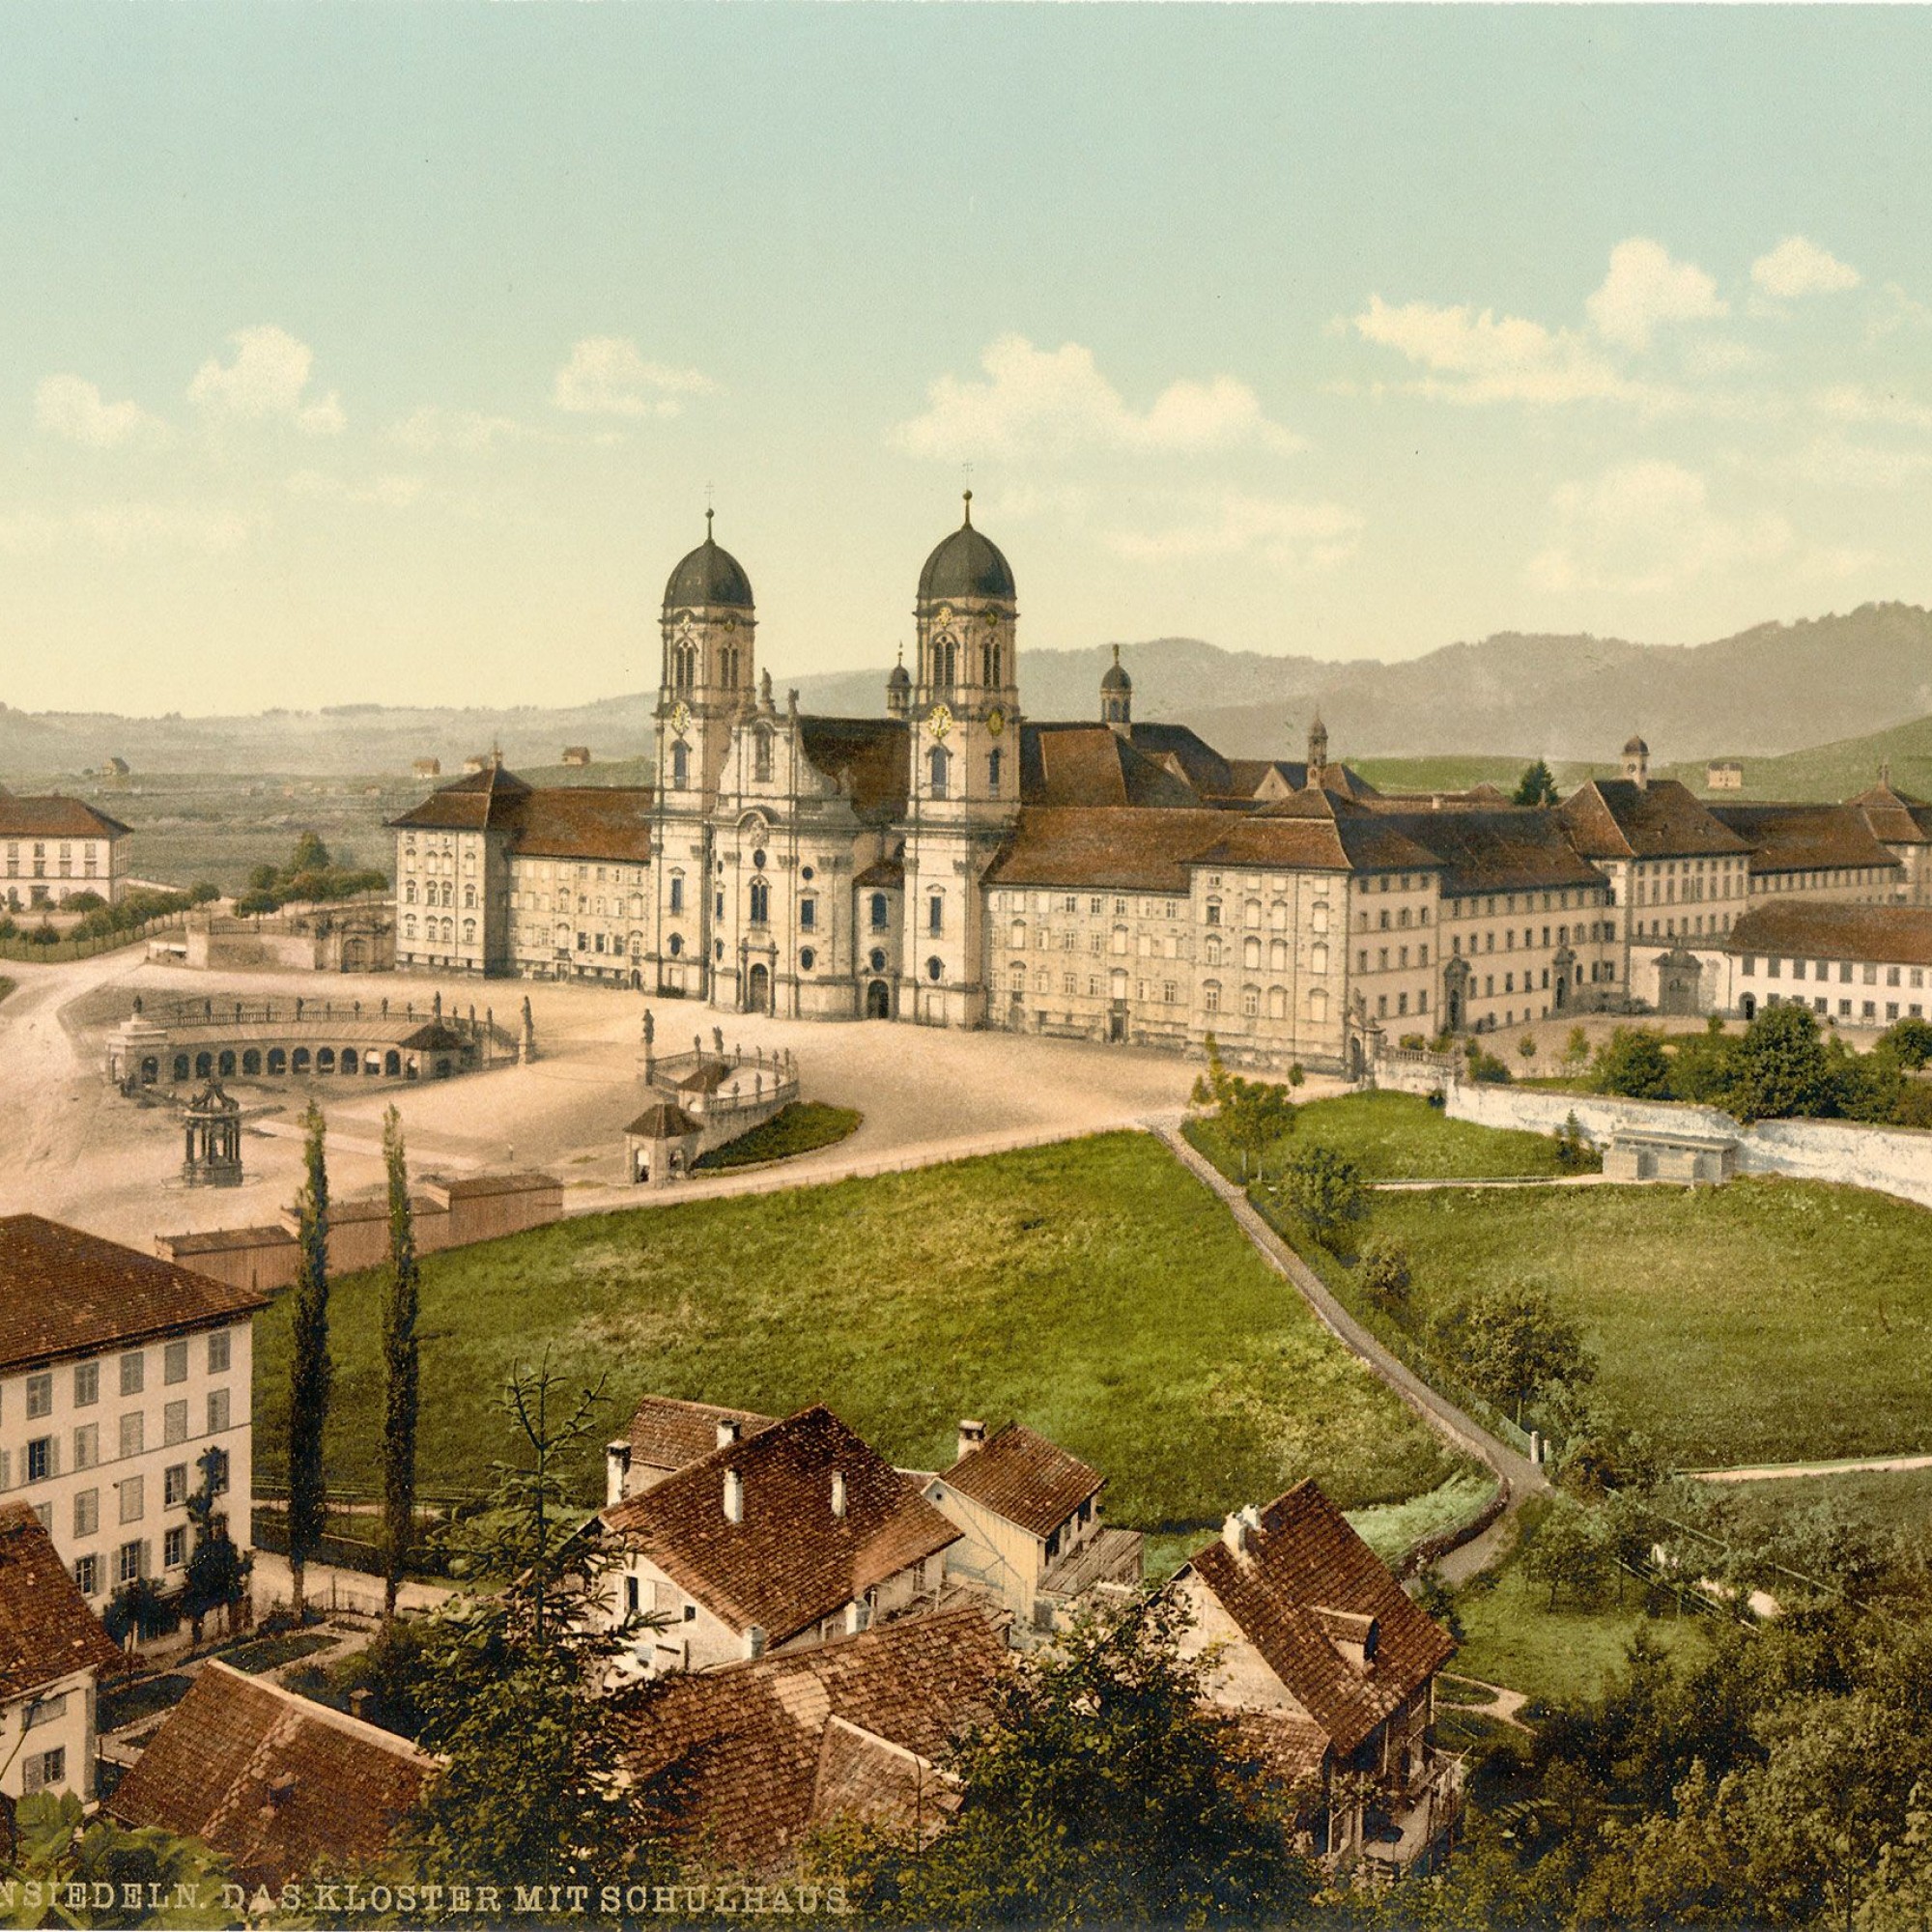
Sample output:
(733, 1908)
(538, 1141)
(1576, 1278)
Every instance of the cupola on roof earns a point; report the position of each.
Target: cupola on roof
(965, 565)
(898, 678)
(709, 575)
(1116, 678)
(1636, 749)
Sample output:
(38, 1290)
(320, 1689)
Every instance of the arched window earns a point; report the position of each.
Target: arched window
(680, 764)
(469, 932)
(807, 959)
(761, 754)
(934, 968)
(1251, 954)
(1318, 1006)
(1277, 1002)
(410, 926)
(1318, 958)
(676, 943)
(1251, 913)
(1251, 1001)
(937, 764)
(469, 898)
(761, 902)
(1212, 953)
(1318, 918)
(278, 1061)
(993, 774)
(1016, 939)
(409, 893)
(989, 661)
(1278, 956)
(1210, 996)
(945, 660)
(251, 1059)
(728, 666)
(324, 1060)
(1016, 978)
(684, 667)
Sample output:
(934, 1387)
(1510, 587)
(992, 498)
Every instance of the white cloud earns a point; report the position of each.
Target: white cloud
(607, 375)
(73, 407)
(1486, 358)
(1645, 287)
(267, 381)
(1035, 400)
(1798, 267)
(120, 527)
(1835, 462)
(388, 493)
(1295, 536)
(1852, 402)
(1646, 528)
(469, 430)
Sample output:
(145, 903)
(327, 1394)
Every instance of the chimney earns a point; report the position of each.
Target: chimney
(729, 1431)
(856, 1616)
(616, 1472)
(281, 1791)
(972, 1435)
(838, 1492)
(1235, 1534)
(735, 1498)
(754, 1641)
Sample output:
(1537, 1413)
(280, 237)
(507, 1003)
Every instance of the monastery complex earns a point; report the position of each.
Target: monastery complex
(954, 861)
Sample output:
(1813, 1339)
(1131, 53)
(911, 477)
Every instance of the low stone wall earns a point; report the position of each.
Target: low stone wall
(1890, 1160)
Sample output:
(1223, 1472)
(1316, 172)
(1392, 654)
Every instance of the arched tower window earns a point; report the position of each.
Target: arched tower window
(989, 661)
(680, 764)
(684, 667)
(761, 902)
(938, 763)
(881, 913)
(761, 754)
(945, 660)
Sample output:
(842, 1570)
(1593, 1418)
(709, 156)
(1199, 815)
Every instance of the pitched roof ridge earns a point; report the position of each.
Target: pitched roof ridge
(308, 1710)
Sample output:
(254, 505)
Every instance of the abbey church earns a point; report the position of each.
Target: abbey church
(951, 862)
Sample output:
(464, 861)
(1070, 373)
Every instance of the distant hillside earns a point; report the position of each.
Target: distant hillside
(1763, 693)
(1837, 770)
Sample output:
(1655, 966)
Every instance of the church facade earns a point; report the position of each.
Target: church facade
(953, 862)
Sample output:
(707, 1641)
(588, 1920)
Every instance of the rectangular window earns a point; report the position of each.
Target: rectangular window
(174, 1486)
(808, 914)
(174, 1422)
(173, 1546)
(87, 1445)
(133, 1433)
(43, 1771)
(218, 1351)
(41, 1460)
(86, 1384)
(128, 1562)
(134, 1498)
(174, 1362)
(87, 1575)
(133, 1372)
(218, 1471)
(935, 916)
(217, 1410)
(39, 1396)
(86, 1511)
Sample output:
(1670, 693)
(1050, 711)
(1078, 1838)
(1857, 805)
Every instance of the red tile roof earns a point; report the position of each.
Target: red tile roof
(1895, 816)
(667, 1434)
(55, 817)
(64, 1292)
(789, 1561)
(1098, 845)
(1805, 837)
(1511, 850)
(1617, 818)
(743, 1761)
(1075, 765)
(46, 1631)
(1303, 1566)
(1025, 1477)
(1820, 930)
(275, 1783)
(866, 757)
(557, 822)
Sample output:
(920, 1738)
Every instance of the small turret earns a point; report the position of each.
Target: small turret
(1636, 763)
(1318, 753)
(1116, 698)
(898, 688)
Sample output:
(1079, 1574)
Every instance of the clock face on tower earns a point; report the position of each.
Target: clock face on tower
(939, 720)
(996, 721)
(680, 717)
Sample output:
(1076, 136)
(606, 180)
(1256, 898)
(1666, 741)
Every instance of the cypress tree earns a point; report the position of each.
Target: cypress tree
(400, 1368)
(309, 1374)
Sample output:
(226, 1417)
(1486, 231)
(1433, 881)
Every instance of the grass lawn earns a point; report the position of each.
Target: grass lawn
(1888, 1499)
(1768, 1320)
(270, 1653)
(1093, 1288)
(799, 1128)
(1511, 1637)
(1399, 1137)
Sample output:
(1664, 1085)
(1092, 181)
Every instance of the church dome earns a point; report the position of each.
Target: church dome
(965, 565)
(898, 678)
(709, 575)
(1116, 678)
(1636, 749)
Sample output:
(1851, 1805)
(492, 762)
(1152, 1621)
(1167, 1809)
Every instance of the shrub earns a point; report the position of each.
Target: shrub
(82, 902)
(1325, 1188)
(1486, 1070)
(1573, 1152)
(1526, 1046)
(1383, 1268)
(1633, 1063)
(43, 934)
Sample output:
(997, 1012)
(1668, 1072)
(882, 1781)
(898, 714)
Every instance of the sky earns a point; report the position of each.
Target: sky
(364, 352)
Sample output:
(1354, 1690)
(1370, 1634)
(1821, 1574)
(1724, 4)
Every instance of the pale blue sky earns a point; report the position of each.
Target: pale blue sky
(388, 351)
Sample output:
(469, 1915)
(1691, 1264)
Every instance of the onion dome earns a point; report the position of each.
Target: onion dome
(1116, 678)
(898, 678)
(965, 565)
(1636, 749)
(709, 575)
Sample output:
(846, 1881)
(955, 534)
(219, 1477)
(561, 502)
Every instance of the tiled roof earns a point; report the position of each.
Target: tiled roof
(789, 1561)
(664, 1120)
(46, 1631)
(1197, 760)
(667, 1434)
(484, 799)
(1288, 1748)
(883, 873)
(55, 817)
(64, 1292)
(745, 1760)
(1499, 850)
(1819, 930)
(585, 822)
(1617, 818)
(1304, 1559)
(1094, 765)
(1025, 1477)
(275, 1783)
(1804, 837)
(1317, 831)
(1135, 851)
(480, 1186)
(867, 756)
(1895, 816)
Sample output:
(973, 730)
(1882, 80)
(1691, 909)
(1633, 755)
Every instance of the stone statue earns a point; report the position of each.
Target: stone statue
(718, 1040)
(650, 1028)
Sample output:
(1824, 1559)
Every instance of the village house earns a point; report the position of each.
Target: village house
(741, 1764)
(54, 847)
(279, 1785)
(1330, 1670)
(1856, 965)
(119, 1372)
(667, 1435)
(1029, 1516)
(53, 1654)
(780, 1537)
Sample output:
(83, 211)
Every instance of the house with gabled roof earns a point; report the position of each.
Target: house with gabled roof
(668, 1434)
(276, 1784)
(1029, 1516)
(785, 1537)
(737, 1767)
(53, 1654)
(1330, 1668)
